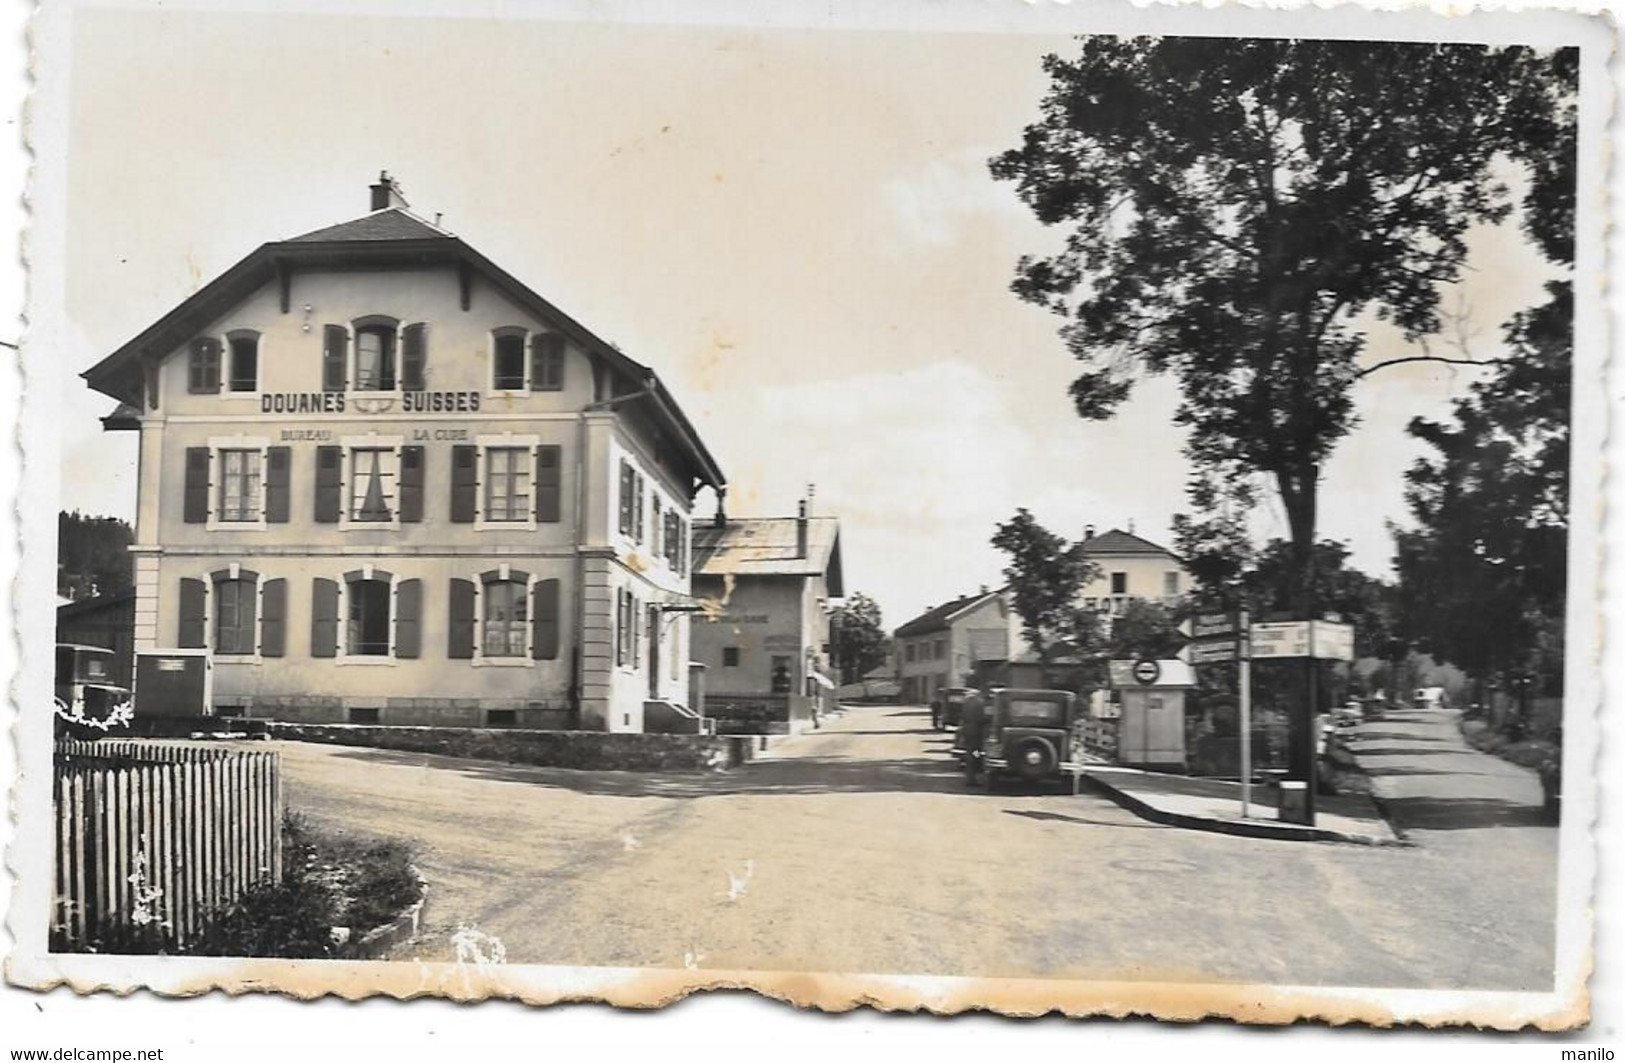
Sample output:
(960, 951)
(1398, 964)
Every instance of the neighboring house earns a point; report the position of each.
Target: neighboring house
(767, 583)
(382, 480)
(942, 646)
(1131, 568)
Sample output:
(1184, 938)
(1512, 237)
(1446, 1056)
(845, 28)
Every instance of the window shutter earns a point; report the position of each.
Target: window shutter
(411, 484)
(195, 509)
(626, 498)
(544, 640)
(194, 605)
(329, 483)
(465, 482)
(546, 361)
(408, 618)
(204, 370)
(335, 356)
(277, 466)
(273, 617)
(637, 509)
(324, 618)
(620, 627)
(460, 644)
(548, 473)
(414, 356)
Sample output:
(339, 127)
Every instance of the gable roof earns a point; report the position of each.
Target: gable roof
(939, 617)
(768, 546)
(1116, 541)
(394, 223)
(385, 238)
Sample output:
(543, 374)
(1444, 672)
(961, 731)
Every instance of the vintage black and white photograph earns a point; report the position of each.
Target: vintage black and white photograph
(945, 507)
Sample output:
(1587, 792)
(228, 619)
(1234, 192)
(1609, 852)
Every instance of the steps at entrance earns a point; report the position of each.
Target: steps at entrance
(665, 717)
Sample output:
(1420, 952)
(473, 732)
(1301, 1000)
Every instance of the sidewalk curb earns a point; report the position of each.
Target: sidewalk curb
(1250, 829)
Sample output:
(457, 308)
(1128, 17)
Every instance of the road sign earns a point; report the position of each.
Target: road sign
(1147, 672)
(1213, 651)
(1333, 641)
(1323, 639)
(1216, 626)
(1282, 639)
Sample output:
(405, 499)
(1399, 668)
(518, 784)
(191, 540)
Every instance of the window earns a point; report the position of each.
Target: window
(203, 366)
(655, 527)
(505, 624)
(909, 651)
(373, 472)
(244, 372)
(942, 649)
(1170, 584)
(730, 656)
(507, 483)
(367, 632)
(240, 486)
(234, 615)
(374, 358)
(1119, 582)
(508, 360)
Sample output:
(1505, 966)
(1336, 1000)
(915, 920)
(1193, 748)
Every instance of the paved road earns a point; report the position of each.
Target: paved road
(859, 848)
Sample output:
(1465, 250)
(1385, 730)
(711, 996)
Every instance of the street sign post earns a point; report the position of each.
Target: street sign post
(1215, 651)
(1245, 653)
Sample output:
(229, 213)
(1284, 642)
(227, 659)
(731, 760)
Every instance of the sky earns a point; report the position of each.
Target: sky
(795, 229)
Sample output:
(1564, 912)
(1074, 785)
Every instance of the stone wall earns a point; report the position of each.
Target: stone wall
(586, 750)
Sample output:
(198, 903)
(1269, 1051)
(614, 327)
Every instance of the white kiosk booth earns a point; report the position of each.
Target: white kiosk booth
(1151, 730)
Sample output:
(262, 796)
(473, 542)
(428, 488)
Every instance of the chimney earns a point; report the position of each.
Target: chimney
(801, 529)
(1088, 532)
(721, 518)
(387, 193)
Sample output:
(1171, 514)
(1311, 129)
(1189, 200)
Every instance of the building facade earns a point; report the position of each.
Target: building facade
(1131, 569)
(768, 584)
(383, 481)
(942, 646)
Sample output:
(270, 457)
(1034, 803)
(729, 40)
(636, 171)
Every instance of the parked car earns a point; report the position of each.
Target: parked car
(948, 706)
(88, 703)
(1026, 734)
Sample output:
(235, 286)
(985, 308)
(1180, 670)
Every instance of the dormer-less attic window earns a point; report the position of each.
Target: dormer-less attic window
(244, 372)
(203, 366)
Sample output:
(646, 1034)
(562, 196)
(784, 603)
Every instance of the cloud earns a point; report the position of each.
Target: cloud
(932, 205)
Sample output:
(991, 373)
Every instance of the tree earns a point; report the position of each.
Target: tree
(1045, 576)
(859, 637)
(1232, 206)
(1483, 572)
(93, 555)
(1145, 630)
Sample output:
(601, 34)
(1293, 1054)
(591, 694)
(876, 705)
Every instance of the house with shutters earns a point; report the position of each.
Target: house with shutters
(383, 481)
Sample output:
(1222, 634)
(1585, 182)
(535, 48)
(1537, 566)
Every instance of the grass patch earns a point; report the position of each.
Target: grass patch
(330, 880)
(1534, 753)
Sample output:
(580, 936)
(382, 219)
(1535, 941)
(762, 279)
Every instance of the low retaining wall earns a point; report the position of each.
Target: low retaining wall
(585, 750)
(759, 714)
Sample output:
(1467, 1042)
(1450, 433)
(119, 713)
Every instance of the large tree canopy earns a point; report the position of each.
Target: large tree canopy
(1231, 205)
(1482, 573)
(1045, 576)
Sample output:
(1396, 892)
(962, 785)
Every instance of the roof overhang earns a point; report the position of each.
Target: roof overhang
(119, 375)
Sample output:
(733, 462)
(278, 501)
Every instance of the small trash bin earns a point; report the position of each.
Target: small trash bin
(1294, 806)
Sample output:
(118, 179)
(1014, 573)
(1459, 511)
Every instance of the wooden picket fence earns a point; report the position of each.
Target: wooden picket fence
(152, 838)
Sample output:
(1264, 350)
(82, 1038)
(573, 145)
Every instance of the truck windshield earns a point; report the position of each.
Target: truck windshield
(1036, 712)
